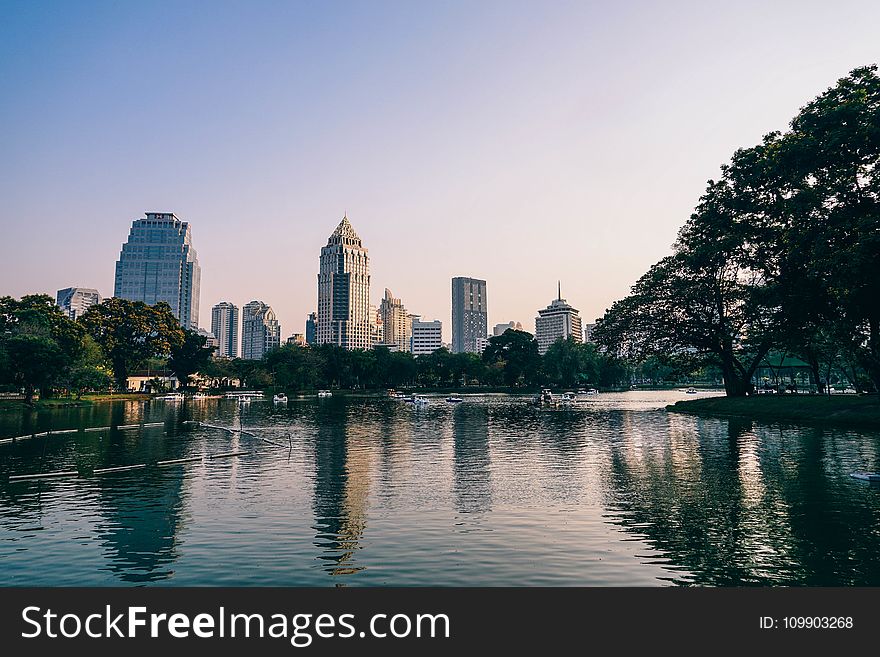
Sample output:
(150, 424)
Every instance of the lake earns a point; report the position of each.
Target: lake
(492, 491)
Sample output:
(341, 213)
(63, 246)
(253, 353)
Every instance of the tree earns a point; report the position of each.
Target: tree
(568, 363)
(39, 343)
(130, 332)
(189, 356)
(517, 353)
(88, 372)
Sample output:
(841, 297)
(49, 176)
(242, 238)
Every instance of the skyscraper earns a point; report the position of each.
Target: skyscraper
(344, 290)
(427, 337)
(224, 326)
(558, 320)
(312, 329)
(396, 322)
(260, 330)
(159, 263)
(74, 301)
(469, 314)
(499, 329)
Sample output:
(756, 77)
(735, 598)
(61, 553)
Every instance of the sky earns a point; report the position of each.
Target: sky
(518, 142)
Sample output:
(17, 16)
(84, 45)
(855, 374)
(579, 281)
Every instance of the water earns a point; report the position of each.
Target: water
(491, 491)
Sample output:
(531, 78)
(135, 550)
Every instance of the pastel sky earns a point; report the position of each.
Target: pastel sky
(520, 142)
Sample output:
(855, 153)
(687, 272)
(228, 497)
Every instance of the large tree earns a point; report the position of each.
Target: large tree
(131, 332)
(189, 356)
(516, 352)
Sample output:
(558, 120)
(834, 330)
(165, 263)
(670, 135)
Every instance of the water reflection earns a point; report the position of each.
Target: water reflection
(470, 459)
(490, 491)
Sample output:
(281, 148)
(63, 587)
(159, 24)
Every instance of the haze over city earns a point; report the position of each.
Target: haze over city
(520, 143)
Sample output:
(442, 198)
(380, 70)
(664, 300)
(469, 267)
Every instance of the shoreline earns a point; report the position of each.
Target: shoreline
(856, 411)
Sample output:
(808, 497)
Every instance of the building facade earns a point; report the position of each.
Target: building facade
(427, 337)
(159, 263)
(588, 332)
(499, 329)
(74, 301)
(469, 314)
(344, 290)
(260, 330)
(396, 322)
(211, 340)
(224, 326)
(558, 320)
(312, 329)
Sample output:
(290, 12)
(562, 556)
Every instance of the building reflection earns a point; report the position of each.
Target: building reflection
(343, 459)
(141, 510)
(472, 485)
(726, 502)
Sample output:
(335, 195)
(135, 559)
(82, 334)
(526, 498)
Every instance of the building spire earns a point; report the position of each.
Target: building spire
(559, 290)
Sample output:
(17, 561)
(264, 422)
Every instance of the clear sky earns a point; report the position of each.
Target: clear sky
(520, 142)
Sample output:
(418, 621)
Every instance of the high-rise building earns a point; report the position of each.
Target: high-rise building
(377, 329)
(210, 340)
(224, 326)
(312, 329)
(558, 320)
(260, 330)
(588, 332)
(427, 337)
(469, 314)
(344, 290)
(396, 322)
(74, 301)
(297, 339)
(499, 329)
(159, 263)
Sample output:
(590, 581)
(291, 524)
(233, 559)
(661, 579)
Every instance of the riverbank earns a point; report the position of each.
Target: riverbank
(71, 402)
(839, 410)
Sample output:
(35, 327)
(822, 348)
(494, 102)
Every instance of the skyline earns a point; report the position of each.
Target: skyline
(261, 129)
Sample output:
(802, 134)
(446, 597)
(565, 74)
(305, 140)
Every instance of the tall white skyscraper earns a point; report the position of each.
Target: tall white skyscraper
(260, 330)
(224, 326)
(159, 263)
(469, 314)
(344, 290)
(558, 320)
(74, 301)
(396, 322)
(427, 337)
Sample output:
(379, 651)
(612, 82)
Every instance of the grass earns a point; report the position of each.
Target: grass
(841, 410)
(61, 402)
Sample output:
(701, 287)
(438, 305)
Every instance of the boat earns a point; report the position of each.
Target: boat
(691, 391)
(280, 398)
(454, 400)
(581, 391)
(172, 397)
(418, 400)
(545, 397)
(592, 391)
(324, 393)
(866, 476)
(568, 397)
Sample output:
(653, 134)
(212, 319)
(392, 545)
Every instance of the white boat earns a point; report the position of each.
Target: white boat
(592, 391)
(324, 393)
(866, 476)
(280, 398)
(172, 397)
(691, 391)
(568, 397)
(454, 400)
(418, 400)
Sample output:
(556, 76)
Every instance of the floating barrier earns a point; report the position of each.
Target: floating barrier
(184, 460)
(120, 468)
(97, 429)
(224, 455)
(64, 431)
(44, 475)
(866, 476)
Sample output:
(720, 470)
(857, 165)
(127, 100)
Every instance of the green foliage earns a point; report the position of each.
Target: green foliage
(782, 252)
(131, 332)
(189, 356)
(516, 354)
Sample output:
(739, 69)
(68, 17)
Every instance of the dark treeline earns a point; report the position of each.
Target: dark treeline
(42, 350)
(782, 254)
(510, 361)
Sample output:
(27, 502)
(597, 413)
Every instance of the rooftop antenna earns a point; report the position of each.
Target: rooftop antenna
(559, 290)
